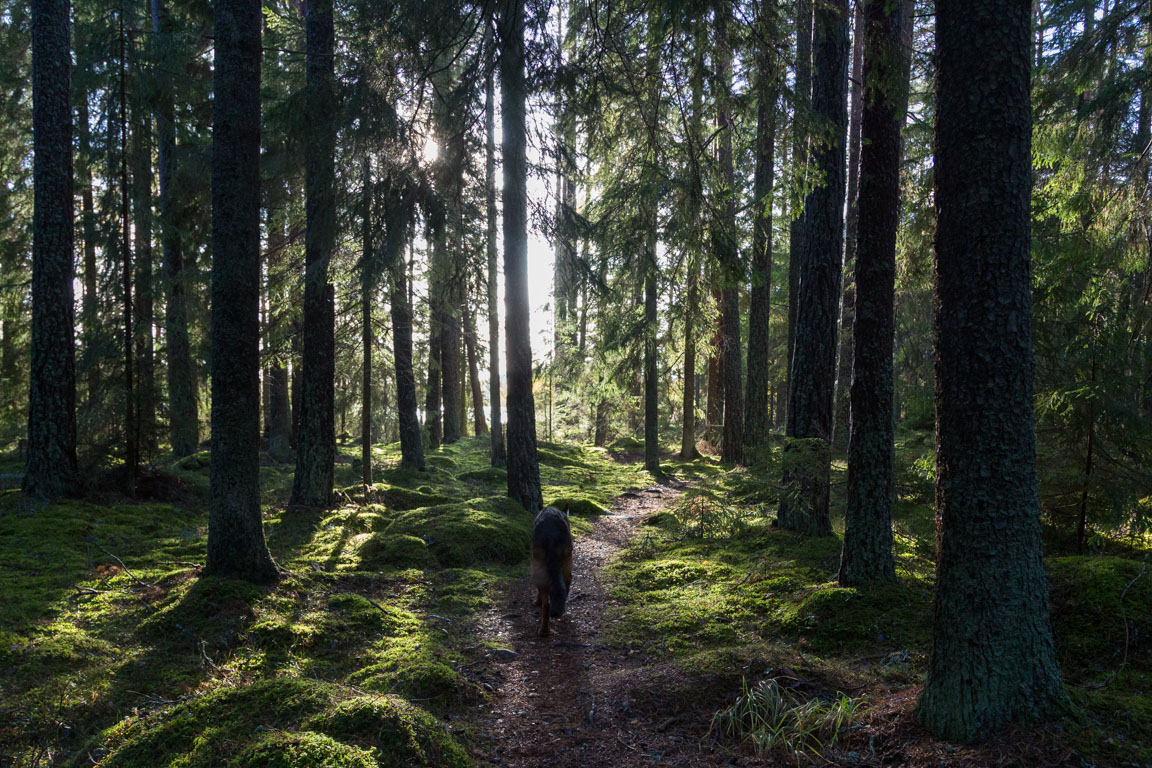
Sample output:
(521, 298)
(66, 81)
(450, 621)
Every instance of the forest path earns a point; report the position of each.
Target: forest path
(557, 700)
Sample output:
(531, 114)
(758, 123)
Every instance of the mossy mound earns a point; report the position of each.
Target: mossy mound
(303, 750)
(383, 551)
(404, 499)
(195, 461)
(417, 677)
(626, 444)
(561, 459)
(440, 462)
(1088, 615)
(197, 732)
(401, 734)
(830, 617)
(575, 505)
(664, 520)
(470, 532)
(488, 475)
(212, 609)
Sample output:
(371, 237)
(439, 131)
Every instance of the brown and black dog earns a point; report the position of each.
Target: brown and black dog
(551, 563)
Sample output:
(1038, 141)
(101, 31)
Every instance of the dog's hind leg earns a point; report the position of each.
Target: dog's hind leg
(543, 615)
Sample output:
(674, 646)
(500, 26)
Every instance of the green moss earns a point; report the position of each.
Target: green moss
(303, 750)
(664, 520)
(211, 609)
(401, 733)
(488, 475)
(553, 458)
(440, 462)
(402, 499)
(575, 505)
(474, 531)
(831, 617)
(382, 551)
(420, 679)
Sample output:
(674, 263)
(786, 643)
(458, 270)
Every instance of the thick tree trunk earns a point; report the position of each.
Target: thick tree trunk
(50, 466)
(144, 304)
(90, 308)
(724, 243)
(814, 355)
(840, 406)
(236, 545)
(867, 554)
(757, 417)
(523, 469)
(183, 415)
(411, 448)
(316, 440)
(496, 443)
(993, 661)
(432, 424)
(800, 133)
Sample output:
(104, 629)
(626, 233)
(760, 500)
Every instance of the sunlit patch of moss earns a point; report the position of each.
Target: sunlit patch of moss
(474, 531)
(888, 615)
(577, 505)
(304, 749)
(400, 733)
(416, 667)
(207, 609)
(485, 476)
(381, 551)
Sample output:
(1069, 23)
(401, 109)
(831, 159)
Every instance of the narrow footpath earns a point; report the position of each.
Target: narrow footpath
(558, 701)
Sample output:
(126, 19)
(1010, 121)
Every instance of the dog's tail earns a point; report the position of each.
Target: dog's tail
(557, 591)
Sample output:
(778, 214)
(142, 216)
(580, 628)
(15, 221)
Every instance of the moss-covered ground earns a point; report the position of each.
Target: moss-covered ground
(115, 650)
(718, 597)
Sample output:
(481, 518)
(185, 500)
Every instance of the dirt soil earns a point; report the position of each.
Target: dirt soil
(558, 700)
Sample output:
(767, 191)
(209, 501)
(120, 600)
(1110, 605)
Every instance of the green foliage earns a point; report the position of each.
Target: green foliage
(475, 531)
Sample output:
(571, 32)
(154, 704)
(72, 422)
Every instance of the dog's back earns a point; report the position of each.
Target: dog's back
(551, 563)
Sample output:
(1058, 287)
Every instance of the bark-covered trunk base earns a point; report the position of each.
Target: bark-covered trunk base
(804, 487)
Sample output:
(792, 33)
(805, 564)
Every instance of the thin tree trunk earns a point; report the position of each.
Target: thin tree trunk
(496, 444)
(145, 344)
(90, 308)
(688, 427)
(367, 289)
(757, 417)
(478, 422)
(840, 405)
(806, 473)
(316, 441)
(800, 136)
(50, 465)
(651, 389)
(411, 447)
(236, 547)
(867, 554)
(277, 344)
(523, 469)
(993, 659)
(183, 416)
(131, 446)
(432, 423)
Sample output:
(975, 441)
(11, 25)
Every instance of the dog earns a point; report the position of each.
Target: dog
(551, 563)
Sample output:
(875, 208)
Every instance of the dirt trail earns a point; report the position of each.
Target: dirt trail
(556, 701)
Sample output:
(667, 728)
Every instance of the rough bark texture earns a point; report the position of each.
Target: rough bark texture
(651, 384)
(411, 448)
(851, 229)
(367, 289)
(993, 660)
(867, 554)
(523, 469)
(724, 243)
(236, 545)
(757, 418)
(450, 358)
(496, 442)
(277, 341)
(183, 415)
(688, 426)
(144, 304)
(131, 444)
(90, 308)
(432, 422)
(800, 131)
(814, 355)
(316, 439)
(50, 467)
(479, 423)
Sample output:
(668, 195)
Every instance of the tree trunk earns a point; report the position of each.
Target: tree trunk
(277, 344)
(496, 444)
(800, 133)
(814, 355)
(411, 448)
(145, 344)
(367, 289)
(724, 243)
(523, 469)
(316, 441)
(651, 389)
(131, 444)
(183, 416)
(50, 466)
(757, 418)
(993, 661)
(478, 422)
(867, 554)
(688, 426)
(90, 308)
(840, 406)
(432, 423)
(236, 547)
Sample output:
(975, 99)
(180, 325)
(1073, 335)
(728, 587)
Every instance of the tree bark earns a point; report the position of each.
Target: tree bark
(867, 554)
(993, 660)
(183, 415)
(236, 547)
(757, 418)
(688, 426)
(801, 108)
(523, 469)
(411, 447)
(367, 289)
(131, 444)
(478, 421)
(432, 423)
(90, 307)
(814, 355)
(840, 405)
(144, 304)
(496, 443)
(316, 440)
(651, 388)
(50, 464)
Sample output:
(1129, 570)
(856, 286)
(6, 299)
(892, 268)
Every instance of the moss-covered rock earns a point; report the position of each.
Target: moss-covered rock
(469, 532)
(382, 551)
(305, 749)
(575, 505)
(400, 733)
